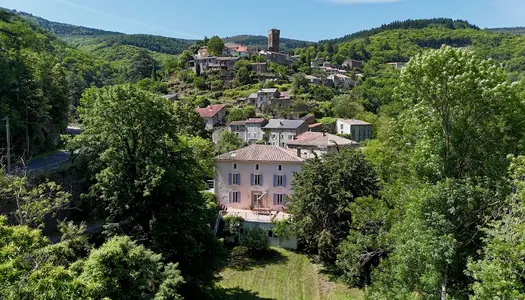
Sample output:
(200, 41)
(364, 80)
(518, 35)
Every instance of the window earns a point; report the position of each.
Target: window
(341, 126)
(290, 137)
(235, 197)
(234, 167)
(278, 199)
(235, 178)
(279, 168)
(270, 233)
(273, 136)
(256, 167)
(257, 179)
(279, 180)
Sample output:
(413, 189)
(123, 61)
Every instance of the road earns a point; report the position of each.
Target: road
(48, 162)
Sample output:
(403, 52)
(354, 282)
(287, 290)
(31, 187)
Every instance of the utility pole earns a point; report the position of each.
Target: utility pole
(8, 130)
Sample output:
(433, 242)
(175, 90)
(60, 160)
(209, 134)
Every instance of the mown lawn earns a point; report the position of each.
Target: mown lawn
(285, 275)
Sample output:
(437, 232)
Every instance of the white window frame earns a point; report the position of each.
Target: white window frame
(235, 178)
(257, 179)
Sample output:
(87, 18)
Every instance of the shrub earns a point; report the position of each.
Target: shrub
(240, 257)
(232, 225)
(255, 240)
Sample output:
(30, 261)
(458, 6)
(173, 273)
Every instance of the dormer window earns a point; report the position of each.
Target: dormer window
(256, 167)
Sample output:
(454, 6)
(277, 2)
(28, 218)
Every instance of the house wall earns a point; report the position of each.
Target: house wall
(240, 131)
(245, 169)
(254, 133)
(290, 243)
(358, 133)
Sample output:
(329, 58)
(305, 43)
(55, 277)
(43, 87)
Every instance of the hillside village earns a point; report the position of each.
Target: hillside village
(385, 164)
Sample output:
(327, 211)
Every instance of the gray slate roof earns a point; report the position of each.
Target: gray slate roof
(283, 124)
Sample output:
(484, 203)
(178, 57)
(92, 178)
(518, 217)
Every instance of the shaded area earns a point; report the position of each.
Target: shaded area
(235, 294)
(259, 260)
(48, 161)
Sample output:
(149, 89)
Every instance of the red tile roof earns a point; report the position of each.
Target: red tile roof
(320, 139)
(211, 110)
(255, 120)
(261, 153)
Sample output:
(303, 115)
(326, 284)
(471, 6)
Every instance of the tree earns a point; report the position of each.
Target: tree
(142, 66)
(300, 84)
(228, 141)
(345, 106)
(463, 110)
(147, 176)
(215, 45)
(498, 274)
(32, 203)
(121, 269)
(323, 193)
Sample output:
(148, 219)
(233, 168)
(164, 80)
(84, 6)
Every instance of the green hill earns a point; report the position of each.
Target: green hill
(260, 41)
(513, 30)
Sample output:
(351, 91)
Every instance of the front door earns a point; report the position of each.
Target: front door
(256, 199)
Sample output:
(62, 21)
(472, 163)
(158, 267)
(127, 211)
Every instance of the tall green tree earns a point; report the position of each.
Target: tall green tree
(215, 45)
(148, 176)
(228, 141)
(142, 65)
(323, 193)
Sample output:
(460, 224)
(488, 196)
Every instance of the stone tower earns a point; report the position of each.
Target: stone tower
(273, 40)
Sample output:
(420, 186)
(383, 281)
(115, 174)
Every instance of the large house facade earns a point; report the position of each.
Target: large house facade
(254, 183)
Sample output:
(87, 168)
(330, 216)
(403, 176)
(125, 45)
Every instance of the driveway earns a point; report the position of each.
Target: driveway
(50, 161)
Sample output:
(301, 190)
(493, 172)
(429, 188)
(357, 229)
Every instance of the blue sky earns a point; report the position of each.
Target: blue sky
(301, 19)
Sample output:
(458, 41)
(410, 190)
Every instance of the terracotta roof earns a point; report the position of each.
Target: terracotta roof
(211, 110)
(320, 139)
(315, 125)
(255, 120)
(262, 153)
(354, 122)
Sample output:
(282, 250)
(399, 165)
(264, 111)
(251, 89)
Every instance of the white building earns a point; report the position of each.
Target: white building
(250, 130)
(357, 129)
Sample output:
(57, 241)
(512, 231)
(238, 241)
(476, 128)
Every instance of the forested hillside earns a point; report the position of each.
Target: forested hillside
(514, 30)
(407, 24)
(41, 79)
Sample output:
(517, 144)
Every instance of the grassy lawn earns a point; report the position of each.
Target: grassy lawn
(287, 276)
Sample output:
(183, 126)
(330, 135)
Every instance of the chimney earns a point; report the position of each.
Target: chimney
(298, 152)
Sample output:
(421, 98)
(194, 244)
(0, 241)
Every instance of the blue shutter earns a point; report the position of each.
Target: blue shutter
(274, 180)
(284, 180)
(261, 180)
(230, 197)
(252, 180)
(274, 199)
(238, 178)
(238, 197)
(230, 178)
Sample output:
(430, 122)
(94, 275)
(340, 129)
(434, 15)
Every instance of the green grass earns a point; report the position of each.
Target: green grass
(287, 276)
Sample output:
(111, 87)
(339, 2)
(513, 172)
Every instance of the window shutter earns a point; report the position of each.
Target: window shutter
(274, 180)
(284, 180)
(238, 178)
(252, 176)
(239, 197)
(274, 199)
(230, 178)
(261, 180)
(230, 197)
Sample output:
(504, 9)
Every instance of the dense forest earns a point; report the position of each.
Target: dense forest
(261, 42)
(513, 30)
(407, 24)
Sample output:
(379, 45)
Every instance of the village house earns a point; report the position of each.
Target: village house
(226, 63)
(232, 49)
(259, 67)
(250, 131)
(317, 63)
(397, 65)
(312, 144)
(351, 64)
(267, 98)
(202, 52)
(213, 115)
(254, 183)
(358, 130)
(313, 79)
(275, 57)
(280, 131)
(344, 81)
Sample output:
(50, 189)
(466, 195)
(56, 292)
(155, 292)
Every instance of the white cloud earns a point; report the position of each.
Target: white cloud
(361, 1)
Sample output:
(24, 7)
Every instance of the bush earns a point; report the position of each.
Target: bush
(232, 225)
(240, 257)
(255, 240)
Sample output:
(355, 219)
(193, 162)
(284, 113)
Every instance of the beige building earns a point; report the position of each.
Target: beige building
(213, 115)
(256, 177)
(312, 144)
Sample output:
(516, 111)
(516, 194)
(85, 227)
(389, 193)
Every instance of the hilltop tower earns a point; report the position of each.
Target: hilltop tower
(274, 40)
